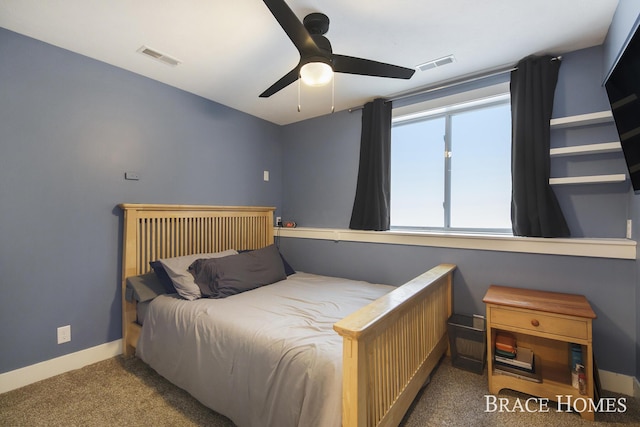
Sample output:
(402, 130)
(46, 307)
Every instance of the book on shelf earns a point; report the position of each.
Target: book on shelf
(523, 358)
(534, 374)
(505, 354)
(505, 342)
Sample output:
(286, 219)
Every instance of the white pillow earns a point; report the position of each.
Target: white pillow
(182, 280)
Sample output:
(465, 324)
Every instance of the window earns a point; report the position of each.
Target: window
(451, 167)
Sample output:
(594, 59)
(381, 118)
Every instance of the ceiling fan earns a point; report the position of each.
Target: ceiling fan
(316, 57)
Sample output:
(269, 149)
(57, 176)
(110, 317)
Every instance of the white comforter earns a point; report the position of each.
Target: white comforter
(267, 357)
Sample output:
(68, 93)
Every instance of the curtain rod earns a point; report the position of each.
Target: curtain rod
(491, 73)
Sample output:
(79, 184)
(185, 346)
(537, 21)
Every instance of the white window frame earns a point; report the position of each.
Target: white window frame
(445, 107)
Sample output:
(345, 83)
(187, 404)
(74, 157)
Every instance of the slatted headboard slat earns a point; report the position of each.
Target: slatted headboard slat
(164, 231)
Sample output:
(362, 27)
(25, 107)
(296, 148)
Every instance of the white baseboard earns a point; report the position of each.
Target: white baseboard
(619, 383)
(30, 374)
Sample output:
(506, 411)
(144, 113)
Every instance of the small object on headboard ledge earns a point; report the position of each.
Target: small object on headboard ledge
(289, 224)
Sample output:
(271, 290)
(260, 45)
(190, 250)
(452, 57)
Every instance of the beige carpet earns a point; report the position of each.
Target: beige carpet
(126, 392)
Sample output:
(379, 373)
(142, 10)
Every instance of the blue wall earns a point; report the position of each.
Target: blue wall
(319, 178)
(312, 146)
(69, 129)
(71, 126)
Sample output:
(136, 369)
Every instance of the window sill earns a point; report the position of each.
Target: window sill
(584, 247)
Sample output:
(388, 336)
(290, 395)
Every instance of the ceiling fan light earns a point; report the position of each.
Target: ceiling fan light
(316, 73)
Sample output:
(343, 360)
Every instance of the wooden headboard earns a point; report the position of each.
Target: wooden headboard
(157, 231)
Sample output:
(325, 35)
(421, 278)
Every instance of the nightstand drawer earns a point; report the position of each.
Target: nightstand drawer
(536, 321)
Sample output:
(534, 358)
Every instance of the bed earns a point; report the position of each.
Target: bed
(388, 346)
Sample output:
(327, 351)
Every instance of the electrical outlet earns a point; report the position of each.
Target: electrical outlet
(64, 334)
(629, 228)
(278, 221)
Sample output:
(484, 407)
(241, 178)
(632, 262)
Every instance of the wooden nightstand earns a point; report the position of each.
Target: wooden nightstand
(545, 322)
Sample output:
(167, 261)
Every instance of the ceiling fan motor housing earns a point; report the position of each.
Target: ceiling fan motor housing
(316, 23)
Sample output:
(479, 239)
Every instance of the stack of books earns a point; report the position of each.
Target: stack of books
(509, 359)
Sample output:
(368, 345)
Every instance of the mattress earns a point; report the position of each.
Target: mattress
(266, 357)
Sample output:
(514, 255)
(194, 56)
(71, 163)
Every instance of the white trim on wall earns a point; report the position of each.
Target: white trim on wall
(49, 368)
(12, 380)
(596, 248)
(618, 383)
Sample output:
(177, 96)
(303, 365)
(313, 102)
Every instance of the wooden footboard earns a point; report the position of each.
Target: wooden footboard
(391, 346)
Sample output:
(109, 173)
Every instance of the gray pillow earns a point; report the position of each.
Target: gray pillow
(223, 277)
(144, 287)
(182, 280)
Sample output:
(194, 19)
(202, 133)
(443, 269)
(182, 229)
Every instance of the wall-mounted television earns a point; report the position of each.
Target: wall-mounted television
(623, 89)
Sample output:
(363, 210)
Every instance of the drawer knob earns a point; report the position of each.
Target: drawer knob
(535, 323)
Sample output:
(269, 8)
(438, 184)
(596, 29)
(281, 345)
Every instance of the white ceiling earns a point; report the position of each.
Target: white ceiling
(232, 50)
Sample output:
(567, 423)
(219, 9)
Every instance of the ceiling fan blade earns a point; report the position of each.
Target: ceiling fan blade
(293, 27)
(285, 81)
(366, 67)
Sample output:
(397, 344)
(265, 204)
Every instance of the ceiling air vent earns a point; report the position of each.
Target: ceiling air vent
(158, 56)
(436, 63)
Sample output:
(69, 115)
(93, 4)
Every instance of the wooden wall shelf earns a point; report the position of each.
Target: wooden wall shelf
(577, 150)
(586, 149)
(582, 120)
(590, 179)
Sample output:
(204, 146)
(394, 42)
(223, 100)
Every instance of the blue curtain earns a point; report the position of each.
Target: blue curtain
(371, 204)
(535, 211)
